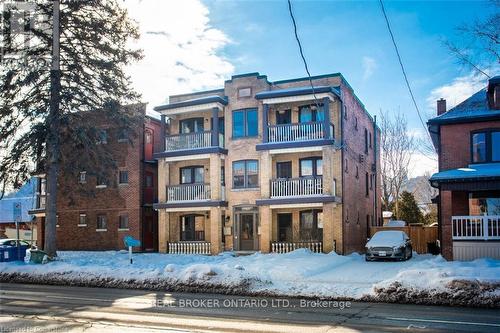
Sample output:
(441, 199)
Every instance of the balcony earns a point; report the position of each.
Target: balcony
(198, 140)
(476, 227)
(188, 192)
(293, 187)
(299, 132)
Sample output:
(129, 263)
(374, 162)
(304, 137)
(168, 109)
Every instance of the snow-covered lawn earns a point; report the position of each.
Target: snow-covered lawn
(299, 273)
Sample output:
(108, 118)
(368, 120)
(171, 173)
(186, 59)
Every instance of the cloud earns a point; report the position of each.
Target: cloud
(369, 66)
(457, 91)
(182, 51)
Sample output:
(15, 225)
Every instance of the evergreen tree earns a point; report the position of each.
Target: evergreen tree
(93, 53)
(408, 209)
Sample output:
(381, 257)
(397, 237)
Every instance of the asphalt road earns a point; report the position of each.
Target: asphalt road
(37, 308)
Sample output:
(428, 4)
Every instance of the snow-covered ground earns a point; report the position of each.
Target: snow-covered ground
(299, 273)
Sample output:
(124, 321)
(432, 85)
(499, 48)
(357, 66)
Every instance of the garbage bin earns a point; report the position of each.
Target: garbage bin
(37, 256)
(3, 251)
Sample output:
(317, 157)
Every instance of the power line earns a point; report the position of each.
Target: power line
(301, 51)
(403, 70)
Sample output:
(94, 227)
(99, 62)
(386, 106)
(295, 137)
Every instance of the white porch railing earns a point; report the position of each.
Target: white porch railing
(296, 187)
(297, 132)
(195, 247)
(285, 247)
(189, 141)
(475, 227)
(188, 192)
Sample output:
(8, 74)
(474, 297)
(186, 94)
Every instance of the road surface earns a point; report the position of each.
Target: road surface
(38, 308)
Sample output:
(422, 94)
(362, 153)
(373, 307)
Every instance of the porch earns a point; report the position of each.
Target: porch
(197, 140)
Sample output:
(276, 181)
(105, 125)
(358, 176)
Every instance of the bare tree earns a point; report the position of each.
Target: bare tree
(397, 146)
(479, 42)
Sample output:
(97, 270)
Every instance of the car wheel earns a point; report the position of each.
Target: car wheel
(367, 259)
(411, 253)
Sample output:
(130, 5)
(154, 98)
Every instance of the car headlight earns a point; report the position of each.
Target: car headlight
(397, 249)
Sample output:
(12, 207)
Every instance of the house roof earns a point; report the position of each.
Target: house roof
(474, 108)
(471, 173)
(195, 101)
(307, 90)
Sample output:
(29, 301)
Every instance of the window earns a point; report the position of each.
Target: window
(82, 219)
(371, 181)
(366, 185)
(245, 123)
(284, 169)
(311, 113)
(101, 222)
(356, 123)
(192, 228)
(191, 125)
(357, 172)
(82, 177)
(311, 167)
(244, 92)
(283, 117)
(484, 203)
(245, 174)
(485, 146)
(123, 177)
(192, 175)
(311, 225)
(123, 222)
(345, 112)
(148, 137)
(222, 175)
(102, 181)
(102, 136)
(221, 124)
(346, 168)
(122, 135)
(370, 139)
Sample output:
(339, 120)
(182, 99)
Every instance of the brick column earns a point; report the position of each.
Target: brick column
(215, 177)
(332, 227)
(163, 180)
(328, 168)
(445, 221)
(265, 169)
(215, 230)
(265, 229)
(163, 230)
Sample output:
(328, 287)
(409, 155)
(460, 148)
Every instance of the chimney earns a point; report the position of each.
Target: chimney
(441, 106)
(494, 93)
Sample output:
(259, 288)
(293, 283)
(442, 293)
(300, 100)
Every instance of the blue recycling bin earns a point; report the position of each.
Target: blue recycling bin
(10, 253)
(3, 250)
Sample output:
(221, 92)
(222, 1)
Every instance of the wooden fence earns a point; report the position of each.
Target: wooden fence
(420, 235)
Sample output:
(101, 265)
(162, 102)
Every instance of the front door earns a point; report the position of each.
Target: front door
(149, 230)
(285, 227)
(246, 233)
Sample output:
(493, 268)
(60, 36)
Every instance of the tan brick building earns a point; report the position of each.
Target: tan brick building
(467, 139)
(97, 215)
(268, 166)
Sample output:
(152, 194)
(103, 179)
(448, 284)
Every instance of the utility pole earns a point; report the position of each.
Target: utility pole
(52, 146)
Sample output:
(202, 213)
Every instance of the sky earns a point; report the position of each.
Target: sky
(194, 45)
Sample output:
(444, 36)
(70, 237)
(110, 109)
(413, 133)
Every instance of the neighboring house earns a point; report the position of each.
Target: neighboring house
(467, 139)
(24, 199)
(96, 215)
(268, 166)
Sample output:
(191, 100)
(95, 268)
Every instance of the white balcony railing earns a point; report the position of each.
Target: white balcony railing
(476, 227)
(297, 132)
(285, 247)
(190, 141)
(293, 187)
(189, 247)
(188, 192)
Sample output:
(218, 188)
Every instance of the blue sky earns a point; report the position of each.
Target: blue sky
(204, 42)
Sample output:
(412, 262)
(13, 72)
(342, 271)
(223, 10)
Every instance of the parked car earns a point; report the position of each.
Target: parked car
(390, 244)
(396, 223)
(13, 242)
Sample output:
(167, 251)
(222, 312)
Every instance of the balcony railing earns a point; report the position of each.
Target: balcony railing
(298, 132)
(285, 247)
(189, 247)
(191, 141)
(188, 192)
(292, 187)
(476, 227)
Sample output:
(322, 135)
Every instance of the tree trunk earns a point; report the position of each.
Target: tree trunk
(53, 152)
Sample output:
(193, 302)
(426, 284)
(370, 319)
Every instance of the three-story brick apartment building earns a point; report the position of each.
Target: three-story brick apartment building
(268, 166)
(467, 139)
(97, 214)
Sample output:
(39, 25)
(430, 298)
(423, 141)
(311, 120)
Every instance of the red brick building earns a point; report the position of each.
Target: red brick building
(467, 139)
(116, 207)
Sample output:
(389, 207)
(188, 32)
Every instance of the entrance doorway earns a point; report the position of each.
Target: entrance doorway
(246, 234)
(285, 227)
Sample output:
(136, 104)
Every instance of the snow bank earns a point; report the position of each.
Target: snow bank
(423, 279)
